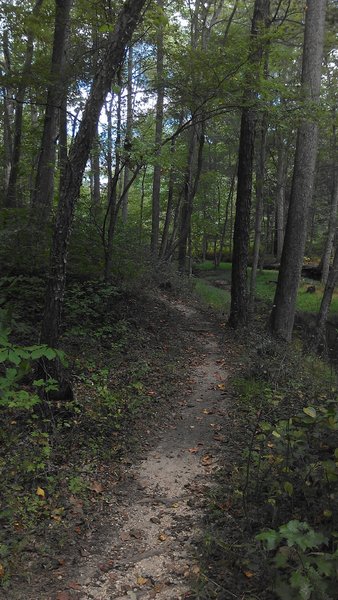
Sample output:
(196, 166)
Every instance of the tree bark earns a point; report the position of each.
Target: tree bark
(194, 169)
(239, 310)
(283, 312)
(260, 175)
(78, 156)
(170, 204)
(333, 213)
(42, 200)
(11, 199)
(95, 183)
(128, 137)
(327, 296)
(225, 223)
(280, 196)
(155, 215)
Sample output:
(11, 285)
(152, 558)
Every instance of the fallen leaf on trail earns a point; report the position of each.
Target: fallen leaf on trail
(249, 574)
(175, 505)
(2, 570)
(96, 486)
(40, 492)
(221, 386)
(207, 460)
(219, 437)
(193, 450)
(141, 580)
(162, 537)
(73, 585)
(206, 411)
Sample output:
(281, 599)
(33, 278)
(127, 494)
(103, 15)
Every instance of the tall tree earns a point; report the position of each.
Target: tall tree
(118, 40)
(239, 310)
(11, 199)
(128, 136)
(44, 184)
(333, 207)
(155, 219)
(283, 312)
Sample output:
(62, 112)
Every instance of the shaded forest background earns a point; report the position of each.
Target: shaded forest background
(156, 147)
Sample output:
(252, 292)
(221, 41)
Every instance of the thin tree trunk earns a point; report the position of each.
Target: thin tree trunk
(239, 310)
(283, 312)
(155, 218)
(7, 117)
(280, 197)
(44, 184)
(333, 213)
(112, 199)
(11, 199)
(78, 156)
(143, 193)
(260, 174)
(95, 174)
(194, 170)
(170, 203)
(327, 296)
(225, 223)
(129, 126)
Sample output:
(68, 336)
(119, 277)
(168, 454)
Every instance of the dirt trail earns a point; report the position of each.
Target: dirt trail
(152, 550)
(149, 548)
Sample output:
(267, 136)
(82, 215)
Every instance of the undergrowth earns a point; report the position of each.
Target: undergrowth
(50, 449)
(273, 521)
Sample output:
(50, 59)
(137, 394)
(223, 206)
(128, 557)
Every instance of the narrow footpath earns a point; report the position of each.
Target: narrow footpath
(153, 546)
(150, 545)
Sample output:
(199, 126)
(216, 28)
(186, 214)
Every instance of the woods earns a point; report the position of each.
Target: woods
(155, 149)
(176, 89)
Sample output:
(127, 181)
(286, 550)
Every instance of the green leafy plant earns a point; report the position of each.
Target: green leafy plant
(304, 570)
(16, 363)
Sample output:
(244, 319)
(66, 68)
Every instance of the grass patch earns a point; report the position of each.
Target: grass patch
(266, 286)
(214, 297)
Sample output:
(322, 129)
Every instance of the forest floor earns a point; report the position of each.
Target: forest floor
(155, 479)
(143, 537)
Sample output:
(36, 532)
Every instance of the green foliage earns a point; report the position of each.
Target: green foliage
(305, 569)
(214, 297)
(17, 363)
(266, 287)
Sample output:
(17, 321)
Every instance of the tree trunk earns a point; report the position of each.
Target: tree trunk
(260, 174)
(155, 218)
(128, 140)
(283, 312)
(228, 206)
(239, 310)
(280, 196)
(333, 213)
(327, 296)
(7, 117)
(44, 184)
(95, 182)
(76, 163)
(194, 169)
(108, 233)
(170, 204)
(11, 199)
